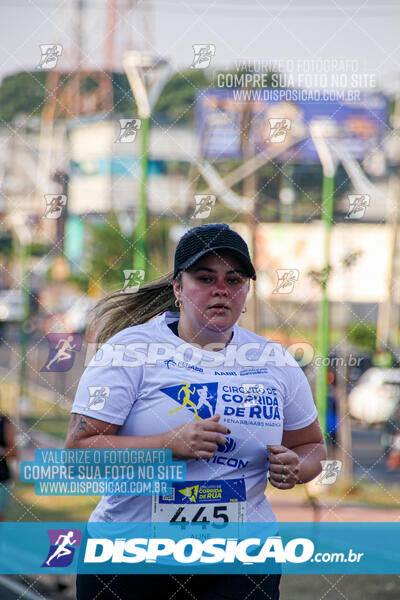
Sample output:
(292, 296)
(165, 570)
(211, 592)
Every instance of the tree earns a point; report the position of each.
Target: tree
(23, 93)
(109, 252)
(177, 100)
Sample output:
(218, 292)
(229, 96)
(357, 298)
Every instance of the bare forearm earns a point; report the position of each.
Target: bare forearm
(192, 440)
(310, 456)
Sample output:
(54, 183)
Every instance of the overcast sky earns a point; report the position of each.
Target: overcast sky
(302, 30)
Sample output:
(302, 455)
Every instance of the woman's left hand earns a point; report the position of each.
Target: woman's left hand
(284, 467)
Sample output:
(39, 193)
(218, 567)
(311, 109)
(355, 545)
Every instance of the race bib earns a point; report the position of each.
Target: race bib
(216, 501)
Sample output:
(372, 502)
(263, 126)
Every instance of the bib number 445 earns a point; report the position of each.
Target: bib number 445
(204, 514)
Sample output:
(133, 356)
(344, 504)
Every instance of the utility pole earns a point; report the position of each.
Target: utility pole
(250, 192)
(76, 82)
(388, 317)
(344, 425)
(287, 194)
(137, 65)
(328, 188)
(319, 131)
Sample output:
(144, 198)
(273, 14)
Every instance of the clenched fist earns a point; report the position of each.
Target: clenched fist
(197, 439)
(283, 467)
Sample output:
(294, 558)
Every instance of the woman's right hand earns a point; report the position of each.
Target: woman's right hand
(197, 439)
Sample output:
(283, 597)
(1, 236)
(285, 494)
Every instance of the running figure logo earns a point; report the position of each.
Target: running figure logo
(286, 280)
(357, 205)
(98, 395)
(50, 55)
(62, 351)
(190, 492)
(62, 547)
(203, 54)
(128, 130)
(278, 130)
(133, 279)
(330, 471)
(199, 398)
(54, 205)
(204, 204)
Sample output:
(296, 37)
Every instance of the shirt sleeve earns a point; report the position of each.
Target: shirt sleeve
(107, 392)
(299, 408)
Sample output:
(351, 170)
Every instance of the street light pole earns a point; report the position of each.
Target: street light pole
(328, 188)
(135, 65)
(319, 130)
(140, 250)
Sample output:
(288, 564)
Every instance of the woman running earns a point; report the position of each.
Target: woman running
(210, 391)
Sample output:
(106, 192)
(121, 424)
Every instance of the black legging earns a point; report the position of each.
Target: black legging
(177, 587)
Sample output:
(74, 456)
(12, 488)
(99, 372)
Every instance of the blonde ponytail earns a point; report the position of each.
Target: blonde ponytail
(122, 309)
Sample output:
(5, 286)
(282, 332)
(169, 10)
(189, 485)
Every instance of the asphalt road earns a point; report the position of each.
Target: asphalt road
(340, 587)
(18, 588)
(293, 587)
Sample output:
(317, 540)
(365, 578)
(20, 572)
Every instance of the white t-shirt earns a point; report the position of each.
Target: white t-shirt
(156, 382)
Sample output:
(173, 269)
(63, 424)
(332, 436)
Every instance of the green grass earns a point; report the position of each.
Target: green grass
(27, 506)
(54, 426)
(361, 493)
(370, 494)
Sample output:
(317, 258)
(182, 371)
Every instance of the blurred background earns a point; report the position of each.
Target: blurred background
(122, 124)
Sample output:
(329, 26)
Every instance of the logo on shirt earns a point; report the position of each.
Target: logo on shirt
(62, 547)
(228, 447)
(170, 363)
(199, 398)
(225, 373)
(97, 397)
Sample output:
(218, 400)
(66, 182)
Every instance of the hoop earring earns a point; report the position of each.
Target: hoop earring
(177, 303)
(244, 310)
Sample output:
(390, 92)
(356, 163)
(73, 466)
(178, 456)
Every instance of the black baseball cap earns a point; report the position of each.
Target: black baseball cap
(203, 239)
